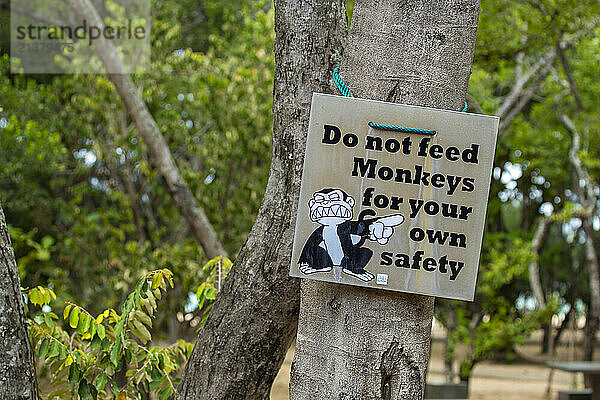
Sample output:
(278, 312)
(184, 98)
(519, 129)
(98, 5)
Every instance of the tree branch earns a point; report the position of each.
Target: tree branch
(525, 98)
(158, 149)
(534, 266)
(519, 97)
(588, 197)
(511, 99)
(567, 69)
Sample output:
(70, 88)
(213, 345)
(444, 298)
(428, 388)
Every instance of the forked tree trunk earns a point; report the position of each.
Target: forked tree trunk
(356, 343)
(240, 349)
(17, 379)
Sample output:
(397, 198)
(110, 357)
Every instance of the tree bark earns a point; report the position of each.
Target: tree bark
(252, 323)
(160, 155)
(355, 343)
(17, 377)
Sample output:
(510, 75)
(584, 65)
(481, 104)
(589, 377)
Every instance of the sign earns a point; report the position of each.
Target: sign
(393, 210)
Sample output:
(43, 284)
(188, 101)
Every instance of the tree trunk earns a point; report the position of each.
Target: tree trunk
(546, 337)
(449, 347)
(356, 343)
(594, 271)
(240, 349)
(535, 281)
(17, 378)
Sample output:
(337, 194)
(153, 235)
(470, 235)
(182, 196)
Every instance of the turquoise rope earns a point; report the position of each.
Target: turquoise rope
(339, 82)
(343, 88)
(404, 129)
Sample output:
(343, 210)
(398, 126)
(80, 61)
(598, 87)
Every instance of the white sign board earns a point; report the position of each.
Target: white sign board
(393, 210)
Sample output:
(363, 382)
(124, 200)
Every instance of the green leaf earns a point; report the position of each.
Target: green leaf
(43, 348)
(152, 302)
(53, 349)
(101, 331)
(146, 304)
(100, 380)
(165, 393)
(211, 293)
(48, 321)
(84, 390)
(66, 312)
(170, 279)
(92, 328)
(143, 317)
(105, 344)
(47, 295)
(47, 241)
(96, 342)
(35, 297)
(63, 352)
(119, 327)
(52, 315)
(156, 280)
(115, 353)
(155, 384)
(43, 255)
(141, 332)
(82, 324)
(74, 373)
(74, 318)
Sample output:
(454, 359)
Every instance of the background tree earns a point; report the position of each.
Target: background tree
(525, 83)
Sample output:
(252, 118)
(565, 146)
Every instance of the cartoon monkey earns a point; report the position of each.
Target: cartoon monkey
(338, 241)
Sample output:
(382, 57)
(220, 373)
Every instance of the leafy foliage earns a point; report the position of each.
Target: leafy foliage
(218, 268)
(492, 325)
(109, 354)
(86, 209)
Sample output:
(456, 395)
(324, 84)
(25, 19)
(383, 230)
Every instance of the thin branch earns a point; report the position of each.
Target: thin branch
(525, 98)
(519, 97)
(567, 69)
(588, 197)
(511, 99)
(534, 266)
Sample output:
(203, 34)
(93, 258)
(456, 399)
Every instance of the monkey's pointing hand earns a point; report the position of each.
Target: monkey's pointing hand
(382, 229)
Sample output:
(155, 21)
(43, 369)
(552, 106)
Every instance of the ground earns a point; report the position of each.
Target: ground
(524, 379)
